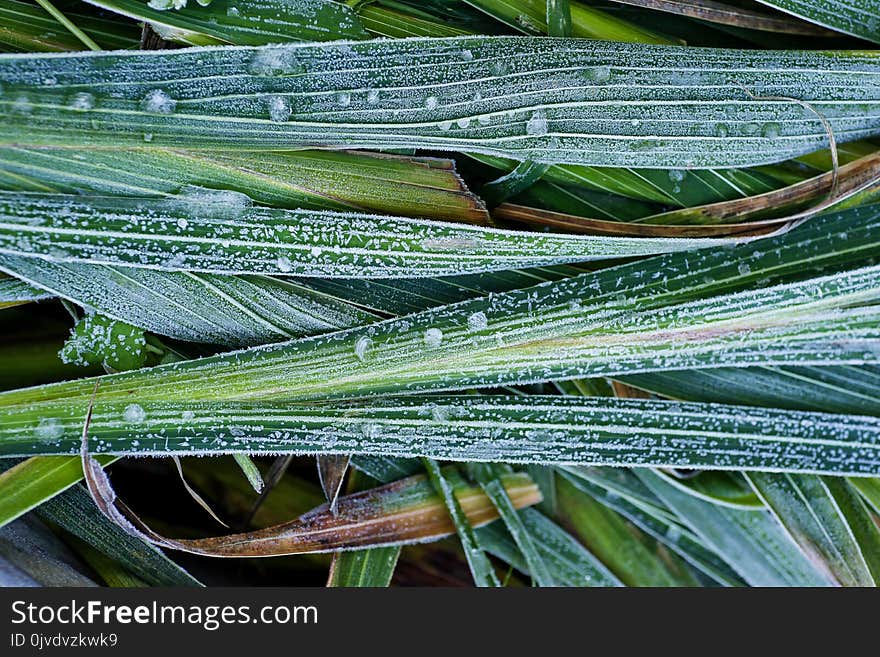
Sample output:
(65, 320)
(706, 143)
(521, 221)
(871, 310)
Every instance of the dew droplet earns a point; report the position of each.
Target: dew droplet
(343, 98)
(134, 414)
(82, 101)
(771, 130)
(362, 346)
(537, 124)
(283, 263)
(433, 337)
(744, 269)
(148, 136)
(431, 103)
(50, 429)
(372, 96)
(598, 74)
(463, 122)
(676, 175)
(159, 102)
(279, 109)
(477, 321)
(721, 130)
(182, 223)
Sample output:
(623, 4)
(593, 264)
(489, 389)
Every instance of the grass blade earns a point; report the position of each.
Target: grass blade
(423, 187)
(590, 94)
(247, 22)
(826, 518)
(221, 233)
(481, 568)
(26, 485)
(226, 310)
(531, 429)
(859, 19)
(751, 542)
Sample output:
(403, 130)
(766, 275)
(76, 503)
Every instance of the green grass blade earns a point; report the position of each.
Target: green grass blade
(472, 94)
(227, 310)
(870, 490)
(481, 568)
(662, 525)
(751, 542)
(536, 429)
(606, 534)
(14, 292)
(569, 562)
(827, 520)
(221, 233)
(531, 17)
(245, 22)
(860, 19)
(423, 187)
(27, 27)
(26, 485)
(584, 329)
(75, 511)
(488, 475)
(840, 389)
(364, 568)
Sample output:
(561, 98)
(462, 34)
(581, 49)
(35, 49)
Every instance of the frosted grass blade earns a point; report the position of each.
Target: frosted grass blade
(826, 518)
(428, 188)
(541, 99)
(227, 310)
(222, 233)
(685, 310)
(531, 429)
(861, 19)
(750, 542)
(245, 22)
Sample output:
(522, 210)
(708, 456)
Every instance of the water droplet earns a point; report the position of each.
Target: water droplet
(188, 415)
(279, 109)
(50, 429)
(598, 74)
(444, 125)
(433, 337)
(82, 101)
(372, 96)
(233, 11)
(134, 413)
(677, 175)
(751, 128)
(361, 346)
(721, 130)
(463, 122)
(771, 130)
(148, 136)
(744, 269)
(159, 102)
(467, 55)
(431, 103)
(283, 263)
(477, 321)
(343, 98)
(22, 105)
(182, 223)
(498, 68)
(537, 124)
